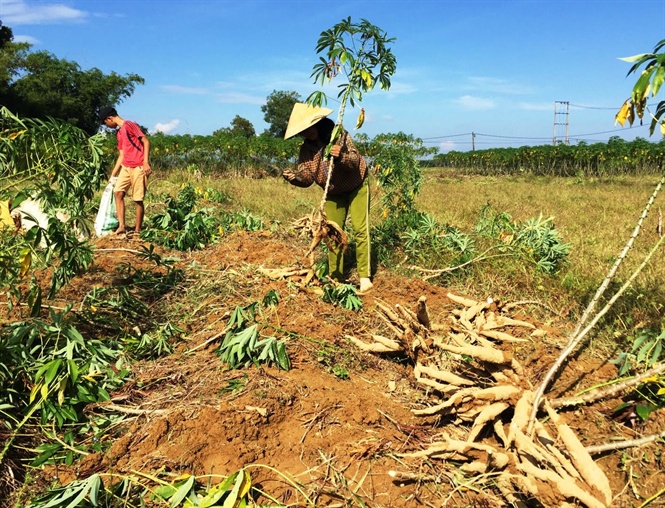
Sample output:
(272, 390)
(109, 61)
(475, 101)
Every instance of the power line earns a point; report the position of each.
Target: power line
(450, 136)
(613, 108)
(435, 139)
(593, 107)
(540, 140)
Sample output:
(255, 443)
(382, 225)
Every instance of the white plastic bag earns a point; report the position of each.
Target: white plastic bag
(106, 221)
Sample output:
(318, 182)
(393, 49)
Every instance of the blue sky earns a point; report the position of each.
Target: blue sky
(495, 68)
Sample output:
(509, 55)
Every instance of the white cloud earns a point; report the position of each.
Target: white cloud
(239, 98)
(167, 127)
(185, 90)
(446, 146)
(26, 38)
(20, 12)
(498, 85)
(475, 103)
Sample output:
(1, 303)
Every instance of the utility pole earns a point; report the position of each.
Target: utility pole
(561, 111)
(473, 141)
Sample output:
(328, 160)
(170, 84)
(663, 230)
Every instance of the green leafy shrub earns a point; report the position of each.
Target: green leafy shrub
(432, 243)
(243, 220)
(542, 243)
(395, 165)
(66, 370)
(535, 239)
(645, 352)
(182, 226)
(342, 294)
(244, 343)
(115, 490)
(59, 165)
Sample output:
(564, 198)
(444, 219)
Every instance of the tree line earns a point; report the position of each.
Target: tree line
(616, 157)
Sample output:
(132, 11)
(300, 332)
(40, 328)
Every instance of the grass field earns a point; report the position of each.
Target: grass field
(597, 217)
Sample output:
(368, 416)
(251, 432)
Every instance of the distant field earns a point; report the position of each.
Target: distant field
(597, 217)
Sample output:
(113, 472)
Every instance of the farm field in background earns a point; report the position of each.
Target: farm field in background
(595, 216)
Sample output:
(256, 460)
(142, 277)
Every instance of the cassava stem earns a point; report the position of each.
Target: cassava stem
(628, 443)
(609, 391)
(578, 335)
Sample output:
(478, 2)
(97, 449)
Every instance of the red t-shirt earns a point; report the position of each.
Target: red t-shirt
(129, 142)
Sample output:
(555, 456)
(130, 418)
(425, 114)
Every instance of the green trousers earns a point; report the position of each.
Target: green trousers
(354, 204)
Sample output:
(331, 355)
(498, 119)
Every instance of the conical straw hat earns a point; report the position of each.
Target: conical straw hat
(304, 116)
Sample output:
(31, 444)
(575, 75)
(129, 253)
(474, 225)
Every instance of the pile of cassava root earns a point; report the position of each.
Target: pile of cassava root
(484, 392)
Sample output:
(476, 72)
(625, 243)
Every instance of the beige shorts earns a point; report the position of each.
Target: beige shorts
(133, 179)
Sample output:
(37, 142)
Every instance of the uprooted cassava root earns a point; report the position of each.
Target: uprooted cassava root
(320, 229)
(484, 391)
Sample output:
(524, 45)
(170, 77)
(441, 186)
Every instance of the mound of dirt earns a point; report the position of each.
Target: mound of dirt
(339, 421)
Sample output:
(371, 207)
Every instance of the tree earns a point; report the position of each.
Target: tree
(53, 87)
(277, 111)
(11, 56)
(6, 35)
(242, 127)
(647, 85)
(239, 127)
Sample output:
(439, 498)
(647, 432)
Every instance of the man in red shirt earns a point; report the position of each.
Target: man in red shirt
(132, 167)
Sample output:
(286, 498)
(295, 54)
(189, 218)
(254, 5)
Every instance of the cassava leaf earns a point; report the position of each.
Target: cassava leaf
(655, 355)
(644, 410)
(182, 492)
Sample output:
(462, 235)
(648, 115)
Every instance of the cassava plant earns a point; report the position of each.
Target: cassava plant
(361, 53)
(60, 166)
(395, 164)
(342, 294)
(648, 85)
(649, 82)
(244, 342)
(185, 225)
(163, 490)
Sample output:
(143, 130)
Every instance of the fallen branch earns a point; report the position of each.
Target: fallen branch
(131, 410)
(440, 271)
(620, 445)
(610, 391)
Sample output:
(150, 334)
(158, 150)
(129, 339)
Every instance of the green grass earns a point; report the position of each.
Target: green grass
(596, 217)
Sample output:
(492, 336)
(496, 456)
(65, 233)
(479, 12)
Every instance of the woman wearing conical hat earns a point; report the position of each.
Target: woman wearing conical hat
(348, 192)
